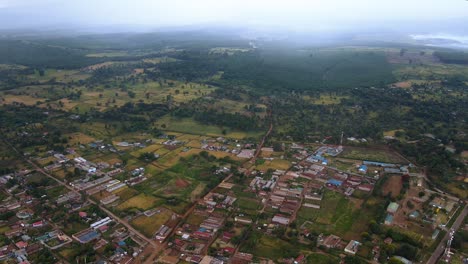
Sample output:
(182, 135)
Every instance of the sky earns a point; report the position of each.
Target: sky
(300, 15)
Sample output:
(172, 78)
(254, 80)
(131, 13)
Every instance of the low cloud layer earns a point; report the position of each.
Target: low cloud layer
(299, 15)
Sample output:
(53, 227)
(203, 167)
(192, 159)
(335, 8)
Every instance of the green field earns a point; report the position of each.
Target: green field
(190, 126)
(317, 258)
(337, 215)
(371, 155)
(270, 247)
(149, 225)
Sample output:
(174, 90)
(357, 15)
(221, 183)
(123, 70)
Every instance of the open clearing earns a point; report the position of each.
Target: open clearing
(190, 126)
(277, 164)
(392, 185)
(141, 201)
(371, 155)
(149, 225)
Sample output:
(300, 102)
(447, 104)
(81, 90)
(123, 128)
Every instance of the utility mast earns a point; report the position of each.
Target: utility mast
(341, 140)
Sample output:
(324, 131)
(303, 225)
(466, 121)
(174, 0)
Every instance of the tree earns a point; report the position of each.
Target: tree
(353, 260)
(131, 94)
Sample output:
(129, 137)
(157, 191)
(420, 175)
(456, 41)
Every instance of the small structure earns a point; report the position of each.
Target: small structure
(403, 260)
(414, 214)
(86, 236)
(330, 241)
(280, 219)
(388, 219)
(334, 182)
(392, 208)
(243, 220)
(352, 247)
(362, 169)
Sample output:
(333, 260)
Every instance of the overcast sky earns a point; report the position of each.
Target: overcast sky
(292, 14)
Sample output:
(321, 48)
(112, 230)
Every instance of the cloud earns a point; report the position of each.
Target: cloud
(286, 13)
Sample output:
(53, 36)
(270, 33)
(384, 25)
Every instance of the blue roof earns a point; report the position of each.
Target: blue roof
(389, 218)
(363, 167)
(335, 182)
(375, 163)
(122, 243)
(414, 214)
(86, 237)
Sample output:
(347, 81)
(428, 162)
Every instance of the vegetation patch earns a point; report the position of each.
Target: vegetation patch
(141, 201)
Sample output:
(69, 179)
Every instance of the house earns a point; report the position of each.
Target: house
(206, 260)
(229, 250)
(414, 214)
(388, 240)
(39, 224)
(280, 219)
(403, 260)
(82, 214)
(330, 241)
(362, 169)
(300, 259)
(352, 247)
(243, 220)
(388, 219)
(21, 244)
(33, 248)
(86, 236)
(227, 237)
(246, 153)
(202, 235)
(335, 183)
(242, 258)
(366, 187)
(392, 208)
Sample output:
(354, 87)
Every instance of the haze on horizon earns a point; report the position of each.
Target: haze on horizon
(423, 16)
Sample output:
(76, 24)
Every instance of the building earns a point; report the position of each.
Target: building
(280, 219)
(242, 258)
(243, 220)
(392, 208)
(330, 241)
(362, 169)
(388, 219)
(86, 236)
(366, 187)
(352, 247)
(403, 260)
(334, 182)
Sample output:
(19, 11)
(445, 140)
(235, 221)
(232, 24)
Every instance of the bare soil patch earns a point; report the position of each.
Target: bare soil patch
(393, 185)
(182, 183)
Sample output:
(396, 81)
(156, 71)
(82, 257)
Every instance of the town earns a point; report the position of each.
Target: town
(106, 202)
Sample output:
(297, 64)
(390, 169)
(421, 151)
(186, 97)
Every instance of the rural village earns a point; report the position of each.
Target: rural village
(89, 198)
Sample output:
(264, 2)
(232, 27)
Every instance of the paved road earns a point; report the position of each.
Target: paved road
(441, 247)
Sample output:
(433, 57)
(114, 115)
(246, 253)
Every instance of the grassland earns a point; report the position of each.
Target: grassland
(318, 258)
(59, 75)
(190, 126)
(325, 99)
(149, 225)
(271, 248)
(337, 214)
(422, 73)
(108, 54)
(141, 201)
(277, 164)
(371, 155)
